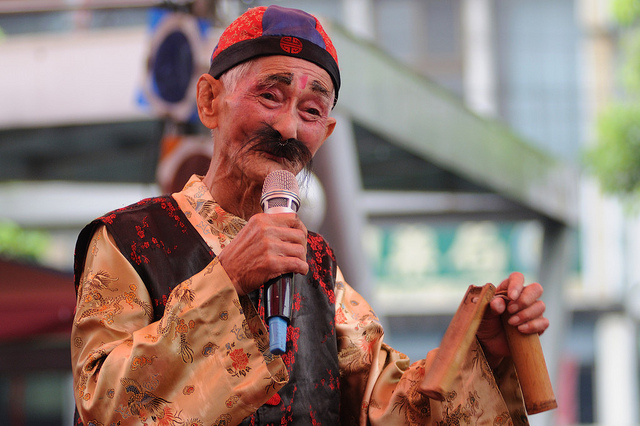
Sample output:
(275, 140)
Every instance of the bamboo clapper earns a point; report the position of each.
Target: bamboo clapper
(528, 359)
(525, 350)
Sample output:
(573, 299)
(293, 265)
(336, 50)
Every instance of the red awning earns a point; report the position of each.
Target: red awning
(34, 300)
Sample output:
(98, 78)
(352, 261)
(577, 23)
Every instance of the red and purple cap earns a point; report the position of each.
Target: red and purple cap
(275, 30)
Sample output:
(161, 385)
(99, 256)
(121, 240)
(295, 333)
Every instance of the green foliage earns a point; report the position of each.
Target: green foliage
(16, 242)
(626, 12)
(615, 160)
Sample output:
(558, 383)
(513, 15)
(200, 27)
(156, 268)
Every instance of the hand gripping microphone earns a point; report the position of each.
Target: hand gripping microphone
(280, 194)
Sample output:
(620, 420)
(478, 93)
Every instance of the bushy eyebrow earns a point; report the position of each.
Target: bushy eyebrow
(287, 79)
(318, 87)
(275, 79)
(272, 79)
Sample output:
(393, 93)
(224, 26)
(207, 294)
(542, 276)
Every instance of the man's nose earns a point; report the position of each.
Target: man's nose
(287, 124)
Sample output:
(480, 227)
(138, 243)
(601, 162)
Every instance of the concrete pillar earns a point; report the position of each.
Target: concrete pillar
(358, 17)
(336, 165)
(616, 371)
(479, 57)
(553, 273)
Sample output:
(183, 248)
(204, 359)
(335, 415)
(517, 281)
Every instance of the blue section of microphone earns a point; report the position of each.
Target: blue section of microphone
(278, 335)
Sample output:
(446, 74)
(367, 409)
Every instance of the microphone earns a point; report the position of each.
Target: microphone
(280, 194)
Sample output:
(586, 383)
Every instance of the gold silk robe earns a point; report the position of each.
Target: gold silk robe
(130, 370)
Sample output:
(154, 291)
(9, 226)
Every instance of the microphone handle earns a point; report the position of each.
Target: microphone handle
(278, 298)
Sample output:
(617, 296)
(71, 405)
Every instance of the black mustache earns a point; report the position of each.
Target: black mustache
(292, 151)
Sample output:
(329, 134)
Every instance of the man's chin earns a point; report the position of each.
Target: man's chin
(281, 163)
(259, 174)
(280, 166)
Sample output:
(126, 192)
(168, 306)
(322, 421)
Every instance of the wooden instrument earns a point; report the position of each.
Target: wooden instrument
(525, 350)
(531, 367)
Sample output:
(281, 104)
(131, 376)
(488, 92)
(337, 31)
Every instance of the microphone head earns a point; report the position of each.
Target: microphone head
(280, 180)
(280, 189)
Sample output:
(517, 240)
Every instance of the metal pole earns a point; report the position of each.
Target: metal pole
(553, 273)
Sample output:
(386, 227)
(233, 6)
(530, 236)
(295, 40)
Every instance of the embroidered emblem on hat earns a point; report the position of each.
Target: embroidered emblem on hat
(291, 45)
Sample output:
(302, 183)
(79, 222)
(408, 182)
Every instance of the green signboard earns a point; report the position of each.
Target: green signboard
(418, 266)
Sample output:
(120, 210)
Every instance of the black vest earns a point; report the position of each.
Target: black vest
(165, 249)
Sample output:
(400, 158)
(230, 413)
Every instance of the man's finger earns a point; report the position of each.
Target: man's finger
(512, 285)
(527, 297)
(529, 313)
(536, 326)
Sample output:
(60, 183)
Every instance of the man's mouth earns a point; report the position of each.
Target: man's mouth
(291, 153)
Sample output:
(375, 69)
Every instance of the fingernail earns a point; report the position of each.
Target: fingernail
(514, 320)
(512, 308)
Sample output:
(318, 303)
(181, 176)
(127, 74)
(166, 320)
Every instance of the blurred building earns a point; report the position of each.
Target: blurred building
(456, 161)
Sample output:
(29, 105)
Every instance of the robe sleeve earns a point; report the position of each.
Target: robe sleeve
(206, 361)
(379, 384)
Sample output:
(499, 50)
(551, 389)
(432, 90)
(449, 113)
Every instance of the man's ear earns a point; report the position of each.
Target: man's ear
(209, 90)
(331, 125)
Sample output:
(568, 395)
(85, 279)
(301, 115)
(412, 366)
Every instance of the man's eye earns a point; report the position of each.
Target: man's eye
(268, 96)
(313, 111)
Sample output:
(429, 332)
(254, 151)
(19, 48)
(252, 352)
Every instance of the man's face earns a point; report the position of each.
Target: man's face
(279, 97)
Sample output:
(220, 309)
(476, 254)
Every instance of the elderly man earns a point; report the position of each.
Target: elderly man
(168, 328)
